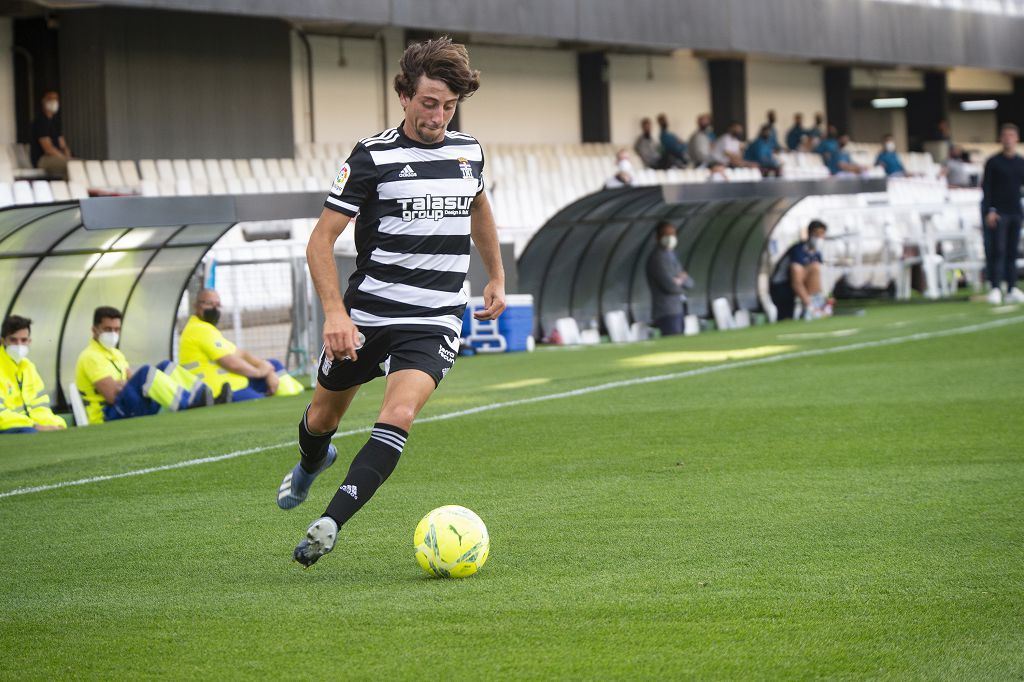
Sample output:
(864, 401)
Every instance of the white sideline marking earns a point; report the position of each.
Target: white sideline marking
(920, 336)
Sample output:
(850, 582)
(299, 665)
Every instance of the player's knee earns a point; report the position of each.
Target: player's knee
(321, 418)
(401, 416)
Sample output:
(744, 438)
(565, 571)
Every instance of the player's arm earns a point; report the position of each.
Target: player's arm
(237, 363)
(266, 369)
(485, 235)
(340, 334)
(109, 388)
(798, 280)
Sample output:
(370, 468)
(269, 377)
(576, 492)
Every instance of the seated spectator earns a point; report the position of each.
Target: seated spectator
(667, 280)
(647, 148)
(24, 405)
(49, 149)
(761, 152)
(223, 366)
(773, 134)
(624, 172)
(796, 133)
(959, 170)
(829, 147)
(817, 133)
(797, 277)
(842, 164)
(728, 149)
(112, 390)
(699, 147)
(671, 146)
(889, 159)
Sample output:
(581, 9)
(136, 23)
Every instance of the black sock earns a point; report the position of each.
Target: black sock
(312, 446)
(370, 468)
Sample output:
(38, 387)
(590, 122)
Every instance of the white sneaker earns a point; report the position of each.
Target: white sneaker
(1015, 295)
(995, 296)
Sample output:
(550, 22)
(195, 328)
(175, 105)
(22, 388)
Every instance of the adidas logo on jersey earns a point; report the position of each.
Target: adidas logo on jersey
(407, 172)
(351, 490)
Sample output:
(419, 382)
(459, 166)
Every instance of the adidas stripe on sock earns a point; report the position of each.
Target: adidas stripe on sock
(369, 469)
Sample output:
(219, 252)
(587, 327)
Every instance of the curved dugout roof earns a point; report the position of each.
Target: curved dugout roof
(59, 262)
(589, 258)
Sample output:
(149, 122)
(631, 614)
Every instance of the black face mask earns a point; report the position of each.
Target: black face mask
(211, 315)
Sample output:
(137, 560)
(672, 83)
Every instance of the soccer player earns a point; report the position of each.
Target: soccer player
(419, 193)
(798, 276)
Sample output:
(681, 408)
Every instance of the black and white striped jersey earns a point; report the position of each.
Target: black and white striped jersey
(413, 229)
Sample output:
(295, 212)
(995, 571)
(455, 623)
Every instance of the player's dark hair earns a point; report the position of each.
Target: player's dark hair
(105, 312)
(439, 59)
(15, 323)
(662, 226)
(1009, 126)
(816, 225)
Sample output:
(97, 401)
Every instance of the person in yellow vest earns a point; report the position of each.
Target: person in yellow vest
(110, 388)
(222, 365)
(24, 405)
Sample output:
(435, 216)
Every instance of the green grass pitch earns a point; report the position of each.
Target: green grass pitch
(857, 514)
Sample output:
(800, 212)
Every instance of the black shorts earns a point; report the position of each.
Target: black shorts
(389, 350)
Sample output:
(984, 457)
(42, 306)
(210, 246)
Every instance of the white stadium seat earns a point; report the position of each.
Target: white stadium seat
(228, 169)
(23, 192)
(181, 169)
(60, 190)
(112, 172)
(94, 169)
(76, 171)
(41, 191)
(6, 195)
(77, 190)
(165, 170)
(147, 169)
(288, 169)
(273, 168)
(243, 168)
(129, 173)
(213, 169)
(259, 168)
(197, 170)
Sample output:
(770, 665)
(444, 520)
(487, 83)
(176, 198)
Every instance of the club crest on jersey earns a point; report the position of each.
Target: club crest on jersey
(467, 170)
(434, 208)
(339, 182)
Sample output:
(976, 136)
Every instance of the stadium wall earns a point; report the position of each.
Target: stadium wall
(155, 84)
(8, 128)
(642, 85)
(786, 87)
(526, 95)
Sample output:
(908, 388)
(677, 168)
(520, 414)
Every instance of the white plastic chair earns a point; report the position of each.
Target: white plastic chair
(722, 312)
(243, 169)
(259, 168)
(181, 169)
(617, 324)
(568, 330)
(6, 195)
(147, 169)
(77, 406)
(60, 190)
(76, 171)
(165, 170)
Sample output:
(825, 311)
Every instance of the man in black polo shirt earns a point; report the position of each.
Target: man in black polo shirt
(50, 151)
(1001, 216)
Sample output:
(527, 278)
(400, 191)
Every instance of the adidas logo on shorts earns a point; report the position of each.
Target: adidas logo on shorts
(407, 172)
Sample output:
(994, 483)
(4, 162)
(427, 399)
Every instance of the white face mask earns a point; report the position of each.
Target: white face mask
(890, 146)
(817, 243)
(669, 241)
(109, 340)
(53, 106)
(17, 352)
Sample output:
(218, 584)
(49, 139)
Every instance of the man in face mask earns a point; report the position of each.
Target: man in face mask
(227, 369)
(49, 149)
(24, 405)
(798, 276)
(667, 280)
(889, 159)
(112, 390)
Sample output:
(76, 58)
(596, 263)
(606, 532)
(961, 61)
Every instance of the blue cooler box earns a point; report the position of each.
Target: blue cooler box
(515, 324)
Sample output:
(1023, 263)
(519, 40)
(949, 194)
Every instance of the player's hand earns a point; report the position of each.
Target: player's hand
(494, 301)
(992, 219)
(46, 427)
(273, 381)
(341, 337)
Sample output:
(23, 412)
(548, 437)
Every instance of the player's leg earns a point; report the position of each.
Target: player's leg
(316, 428)
(337, 384)
(406, 393)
